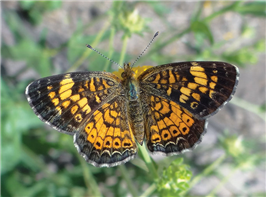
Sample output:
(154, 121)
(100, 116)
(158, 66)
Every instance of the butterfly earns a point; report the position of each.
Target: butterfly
(167, 106)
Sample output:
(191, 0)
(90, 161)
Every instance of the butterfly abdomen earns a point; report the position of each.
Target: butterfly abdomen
(136, 119)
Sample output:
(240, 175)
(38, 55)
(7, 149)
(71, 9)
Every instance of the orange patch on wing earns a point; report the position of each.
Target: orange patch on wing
(171, 77)
(98, 144)
(174, 131)
(98, 100)
(187, 119)
(155, 138)
(65, 104)
(65, 85)
(183, 128)
(55, 101)
(92, 86)
(99, 123)
(163, 81)
(161, 124)
(105, 84)
(65, 94)
(107, 117)
(175, 118)
(203, 89)
(212, 85)
(108, 141)
(113, 113)
(201, 81)
(86, 109)
(117, 143)
(157, 78)
(102, 132)
(82, 102)
(117, 132)
(127, 143)
(81, 89)
(166, 108)
(158, 106)
(74, 109)
(169, 91)
(51, 95)
(214, 78)
(89, 127)
(92, 135)
(110, 131)
(185, 91)
(183, 98)
(192, 86)
(196, 96)
(165, 135)
(75, 97)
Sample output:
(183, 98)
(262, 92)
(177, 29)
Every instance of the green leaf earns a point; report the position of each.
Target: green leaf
(159, 8)
(26, 4)
(33, 54)
(14, 185)
(252, 8)
(201, 30)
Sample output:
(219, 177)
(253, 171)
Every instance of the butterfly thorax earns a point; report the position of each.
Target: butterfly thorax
(134, 107)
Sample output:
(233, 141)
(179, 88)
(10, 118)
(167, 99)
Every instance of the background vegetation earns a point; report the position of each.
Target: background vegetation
(44, 38)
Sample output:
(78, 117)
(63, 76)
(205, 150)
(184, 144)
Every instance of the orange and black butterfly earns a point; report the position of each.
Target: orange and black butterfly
(167, 106)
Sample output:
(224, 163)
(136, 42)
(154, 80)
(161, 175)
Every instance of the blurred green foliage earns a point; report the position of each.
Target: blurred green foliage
(40, 163)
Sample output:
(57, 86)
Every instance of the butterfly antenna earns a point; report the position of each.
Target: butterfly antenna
(156, 34)
(90, 47)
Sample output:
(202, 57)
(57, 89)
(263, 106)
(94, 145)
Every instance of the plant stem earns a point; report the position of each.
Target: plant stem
(148, 161)
(149, 191)
(222, 182)
(88, 52)
(207, 171)
(129, 183)
(249, 106)
(231, 7)
(89, 180)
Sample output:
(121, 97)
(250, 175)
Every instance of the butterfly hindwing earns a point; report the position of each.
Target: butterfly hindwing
(106, 139)
(200, 87)
(170, 128)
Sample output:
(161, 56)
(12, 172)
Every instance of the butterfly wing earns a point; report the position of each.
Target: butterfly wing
(65, 101)
(200, 87)
(177, 99)
(89, 106)
(106, 139)
(169, 127)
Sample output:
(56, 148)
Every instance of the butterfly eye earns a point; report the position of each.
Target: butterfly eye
(123, 75)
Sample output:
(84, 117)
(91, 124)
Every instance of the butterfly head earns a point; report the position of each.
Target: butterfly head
(128, 72)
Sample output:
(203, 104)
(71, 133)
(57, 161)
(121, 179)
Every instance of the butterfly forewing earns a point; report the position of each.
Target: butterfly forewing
(200, 87)
(66, 101)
